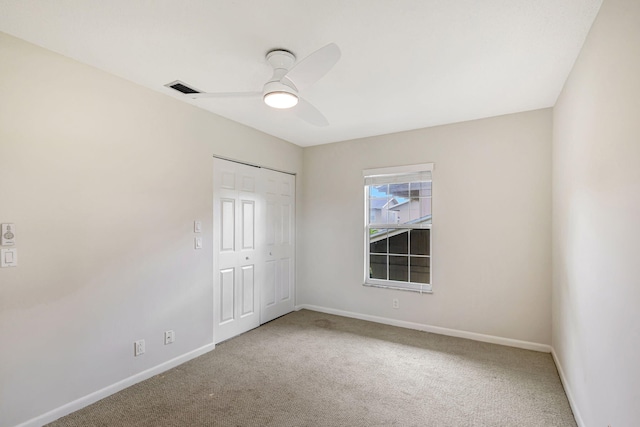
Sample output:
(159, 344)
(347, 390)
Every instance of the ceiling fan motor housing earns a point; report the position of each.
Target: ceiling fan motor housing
(281, 61)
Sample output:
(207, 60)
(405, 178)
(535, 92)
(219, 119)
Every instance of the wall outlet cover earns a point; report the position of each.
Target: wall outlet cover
(138, 348)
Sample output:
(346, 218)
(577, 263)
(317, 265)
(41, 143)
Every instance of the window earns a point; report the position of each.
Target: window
(398, 227)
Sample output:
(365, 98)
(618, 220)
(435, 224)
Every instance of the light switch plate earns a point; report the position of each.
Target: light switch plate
(8, 236)
(198, 242)
(197, 226)
(9, 257)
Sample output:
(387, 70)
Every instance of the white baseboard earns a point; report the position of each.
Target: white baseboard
(134, 379)
(114, 388)
(567, 390)
(462, 334)
(544, 348)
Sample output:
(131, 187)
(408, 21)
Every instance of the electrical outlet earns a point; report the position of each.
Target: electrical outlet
(138, 348)
(169, 337)
(396, 303)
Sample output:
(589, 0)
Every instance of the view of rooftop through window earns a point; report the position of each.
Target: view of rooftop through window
(400, 203)
(399, 229)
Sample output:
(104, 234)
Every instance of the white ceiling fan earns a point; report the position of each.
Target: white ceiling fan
(289, 77)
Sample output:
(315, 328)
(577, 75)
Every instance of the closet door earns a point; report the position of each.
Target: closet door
(238, 248)
(279, 267)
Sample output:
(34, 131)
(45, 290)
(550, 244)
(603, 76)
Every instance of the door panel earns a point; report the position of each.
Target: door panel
(228, 180)
(249, 183)
(279, 285)
(286, 224)
(248, 290)
(286, 188)
(269, 291)
(270, 222)
(285, 268)
(248, 224)
(236, 237)
(227, 292)
(228, 225)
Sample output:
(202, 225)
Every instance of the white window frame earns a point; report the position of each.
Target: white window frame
(394, 173)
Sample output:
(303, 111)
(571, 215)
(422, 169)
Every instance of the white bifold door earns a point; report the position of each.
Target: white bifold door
(277, 290)
(254, 223)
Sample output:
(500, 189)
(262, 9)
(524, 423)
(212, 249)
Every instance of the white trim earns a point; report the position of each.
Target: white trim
(254, 165)
(567, 390)
(398, 170)
(527, 345)
(421, 288)
(113, 388)
(141, 376)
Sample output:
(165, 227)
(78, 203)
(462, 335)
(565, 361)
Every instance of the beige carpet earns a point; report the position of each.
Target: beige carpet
(314, 369)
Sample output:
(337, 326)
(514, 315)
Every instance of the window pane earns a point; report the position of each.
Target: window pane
(399, 191)
(421, 189)
(420, 244)
(381, 191)
(378, 211)
(392, 217)
(378, 241)
(413, 211)
(399, 242)
(409, 203)
(399, 268)
(420, 269)
(378, 267)
(425, 206)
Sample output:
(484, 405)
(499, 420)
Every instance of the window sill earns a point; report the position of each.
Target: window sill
(397, 288)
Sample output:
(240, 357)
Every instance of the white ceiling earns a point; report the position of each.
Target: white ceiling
(406, 64)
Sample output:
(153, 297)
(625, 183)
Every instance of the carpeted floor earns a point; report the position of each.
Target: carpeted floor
(315, 369)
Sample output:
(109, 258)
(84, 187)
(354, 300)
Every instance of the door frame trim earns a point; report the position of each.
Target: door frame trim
(252, 164)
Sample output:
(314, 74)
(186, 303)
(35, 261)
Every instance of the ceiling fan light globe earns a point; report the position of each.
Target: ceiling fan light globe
(280, 99)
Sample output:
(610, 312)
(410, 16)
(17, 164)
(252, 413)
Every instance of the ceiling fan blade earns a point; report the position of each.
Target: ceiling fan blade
(225, 95)
(310, 114)
(313, 67)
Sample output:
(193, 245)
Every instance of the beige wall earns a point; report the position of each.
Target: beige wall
(491, 234)
(103, 180)
(596, 222)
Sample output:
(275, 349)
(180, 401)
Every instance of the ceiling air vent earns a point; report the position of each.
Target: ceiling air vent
(182, 87)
